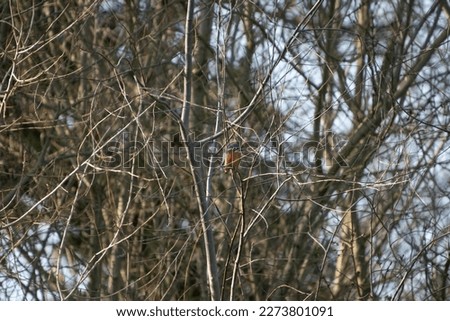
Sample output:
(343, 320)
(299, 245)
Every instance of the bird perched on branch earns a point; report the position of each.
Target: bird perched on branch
(232, 157)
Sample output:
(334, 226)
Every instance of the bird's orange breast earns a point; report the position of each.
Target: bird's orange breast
(232, 159)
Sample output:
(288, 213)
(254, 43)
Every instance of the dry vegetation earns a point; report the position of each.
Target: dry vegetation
(113, 120)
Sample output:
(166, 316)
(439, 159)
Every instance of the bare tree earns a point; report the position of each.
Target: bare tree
(114, 117)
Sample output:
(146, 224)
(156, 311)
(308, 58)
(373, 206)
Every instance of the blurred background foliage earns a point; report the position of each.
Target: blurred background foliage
(342, 192)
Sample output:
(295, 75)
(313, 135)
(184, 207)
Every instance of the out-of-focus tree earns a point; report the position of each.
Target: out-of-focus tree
(114, 116)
